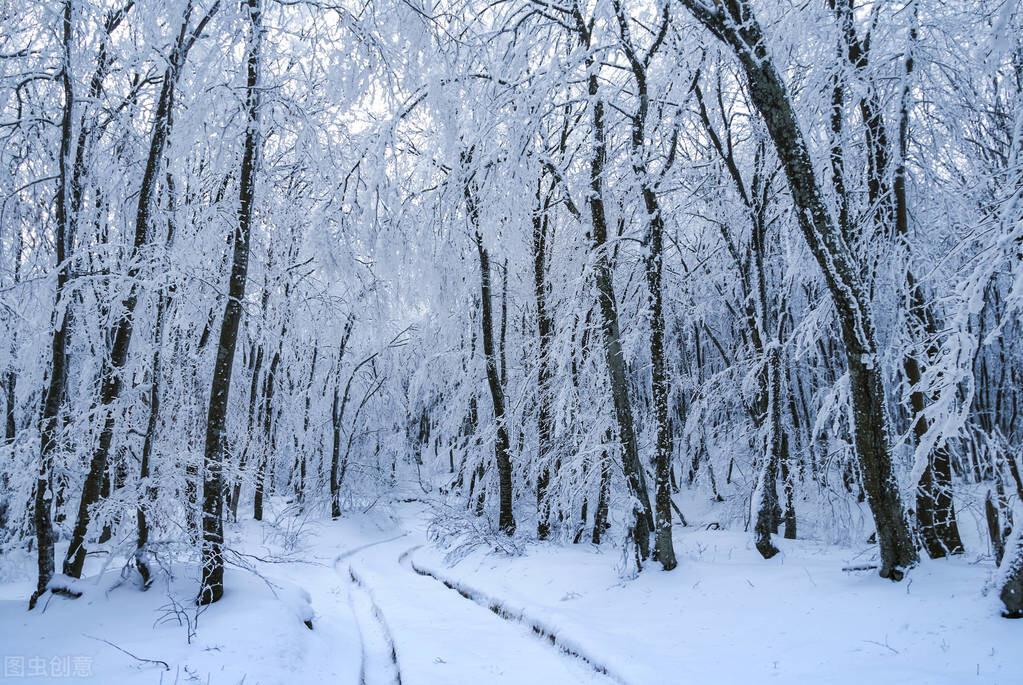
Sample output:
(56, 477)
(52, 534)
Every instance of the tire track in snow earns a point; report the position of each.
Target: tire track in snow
(355, 550)
(379, 656)
(547, 633)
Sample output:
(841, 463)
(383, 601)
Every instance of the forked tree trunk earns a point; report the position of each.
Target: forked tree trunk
(502, 446)
(664, 550)
(643, 516)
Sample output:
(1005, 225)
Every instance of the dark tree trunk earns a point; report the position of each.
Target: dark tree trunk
(788, 478)
(994, 528)
(148, 489)
(664, 550)
(544, 330)
(54, 396)
(10, 393)
(935, 509)
(335, 458)
(1011, 574)
(337, 414)
(123, 328)
(934, 506)
(603, 489)
(211, 587)
(502, 446)
(301, 448)
(269, 434)
(643, 524)
(740, 30)
(766, 500)
(10, 431)
(254, 371)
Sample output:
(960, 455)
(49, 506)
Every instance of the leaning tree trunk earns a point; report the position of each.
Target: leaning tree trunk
(211, 587)
(734, 24)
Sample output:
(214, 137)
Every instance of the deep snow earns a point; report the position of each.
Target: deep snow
(386, 607)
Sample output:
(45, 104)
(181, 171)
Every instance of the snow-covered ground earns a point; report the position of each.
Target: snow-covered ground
(387, 608)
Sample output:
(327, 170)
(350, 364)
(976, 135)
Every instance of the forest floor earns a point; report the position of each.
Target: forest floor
(387, 607)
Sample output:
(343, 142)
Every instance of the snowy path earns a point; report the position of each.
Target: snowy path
(439, 637)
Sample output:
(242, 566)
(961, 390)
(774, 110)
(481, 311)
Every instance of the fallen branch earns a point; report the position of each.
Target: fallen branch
(165, 665)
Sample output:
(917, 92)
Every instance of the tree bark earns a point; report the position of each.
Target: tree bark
(54, 396)
(765, 501)
(123, 328)
(664, 550)
(147, 493)
(734, 24)
(502, 446)
(211, 587)
(544, 330)
(643, 524)
(1011, 574)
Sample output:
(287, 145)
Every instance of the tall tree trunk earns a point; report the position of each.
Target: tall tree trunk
(147, 493)
(544, 330)
(603, 492)
(502, 446)
(734, 24)
(123, 328)
(335, 457)
(337, 415)
(643, 517)
(10, 417)
(54, 396)
(269, 432)
(211, 587)
(664, 550)
(935, 509)
(301, 447)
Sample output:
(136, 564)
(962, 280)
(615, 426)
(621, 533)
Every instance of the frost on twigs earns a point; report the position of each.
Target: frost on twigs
(288, 529)
(460, 533)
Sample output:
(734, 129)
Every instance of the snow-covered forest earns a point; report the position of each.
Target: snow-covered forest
(511, 341)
